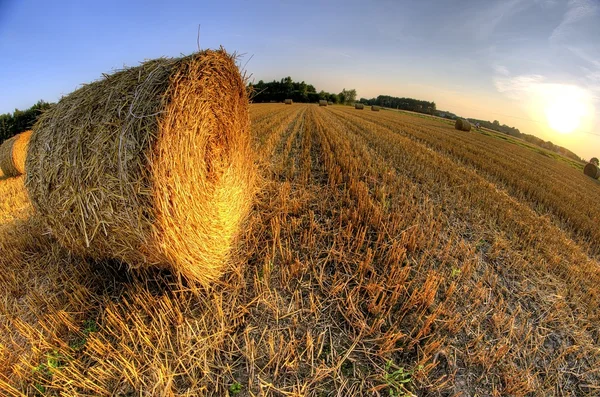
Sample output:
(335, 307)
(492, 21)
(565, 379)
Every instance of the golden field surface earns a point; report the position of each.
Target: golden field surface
(386, 255)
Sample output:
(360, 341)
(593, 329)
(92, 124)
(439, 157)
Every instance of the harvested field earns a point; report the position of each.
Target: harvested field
(386, 254)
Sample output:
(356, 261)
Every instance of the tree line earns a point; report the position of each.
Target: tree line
(410, 104)
(505, 129)
(20, 120)
(495, 125)
(286, 88)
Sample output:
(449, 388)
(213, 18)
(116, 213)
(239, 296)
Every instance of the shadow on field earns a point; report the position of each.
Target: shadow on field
(53, 300)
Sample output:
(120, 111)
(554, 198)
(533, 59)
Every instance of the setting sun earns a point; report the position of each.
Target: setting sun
(565, 108)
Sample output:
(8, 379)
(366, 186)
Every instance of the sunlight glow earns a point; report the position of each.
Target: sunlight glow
(565, 107)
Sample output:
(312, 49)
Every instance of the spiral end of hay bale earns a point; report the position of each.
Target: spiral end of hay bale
(151, 165)
(19, 152)
(202, 168)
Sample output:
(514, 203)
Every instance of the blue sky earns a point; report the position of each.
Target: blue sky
(515, 60)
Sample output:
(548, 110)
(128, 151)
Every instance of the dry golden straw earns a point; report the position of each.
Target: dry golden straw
(19, 152)
(150, 165)
(462, 125)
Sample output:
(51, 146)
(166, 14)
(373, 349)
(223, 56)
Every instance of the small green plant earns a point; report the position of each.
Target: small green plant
(54, 361)
(397, 379)
(89, 326)
(42, 369)
(235, 388)
(41, 389)
(455, 272)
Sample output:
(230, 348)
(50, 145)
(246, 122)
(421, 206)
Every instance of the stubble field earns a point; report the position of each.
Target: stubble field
(386, 254)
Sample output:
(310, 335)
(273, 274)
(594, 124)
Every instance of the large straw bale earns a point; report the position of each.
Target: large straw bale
(462, 125)
(288, 101)
(322, 102)
(375, 108)
(150, 165)
(359, 106)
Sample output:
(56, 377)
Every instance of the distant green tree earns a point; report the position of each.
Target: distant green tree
(347, 97)
(287, 88)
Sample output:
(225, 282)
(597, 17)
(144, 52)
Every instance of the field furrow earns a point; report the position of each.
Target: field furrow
(548, 186)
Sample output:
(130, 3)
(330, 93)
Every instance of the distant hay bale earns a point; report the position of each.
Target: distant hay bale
(12, 155)
(322, 103)
(359, 106)
(591, 170)
(594, 160)
(7, 165)
(375, 108)
(462, 125)
(288, 101)
(330, 103)
(151, 165)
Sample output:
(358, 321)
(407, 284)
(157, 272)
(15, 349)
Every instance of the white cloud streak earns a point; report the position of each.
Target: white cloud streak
(577, 11)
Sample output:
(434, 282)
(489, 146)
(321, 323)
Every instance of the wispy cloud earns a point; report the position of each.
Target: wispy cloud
(482, 22)
(501, 70)
(517, 87)
(577, 11)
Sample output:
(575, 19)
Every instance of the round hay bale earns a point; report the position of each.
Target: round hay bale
(12, 155)
(375, 108)
(359, 106)
(7, 165)
(288, 101)
(591, 170)
(595, 161)
(322, 102)
(329, 103)
(151, 165)
(462, 125)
